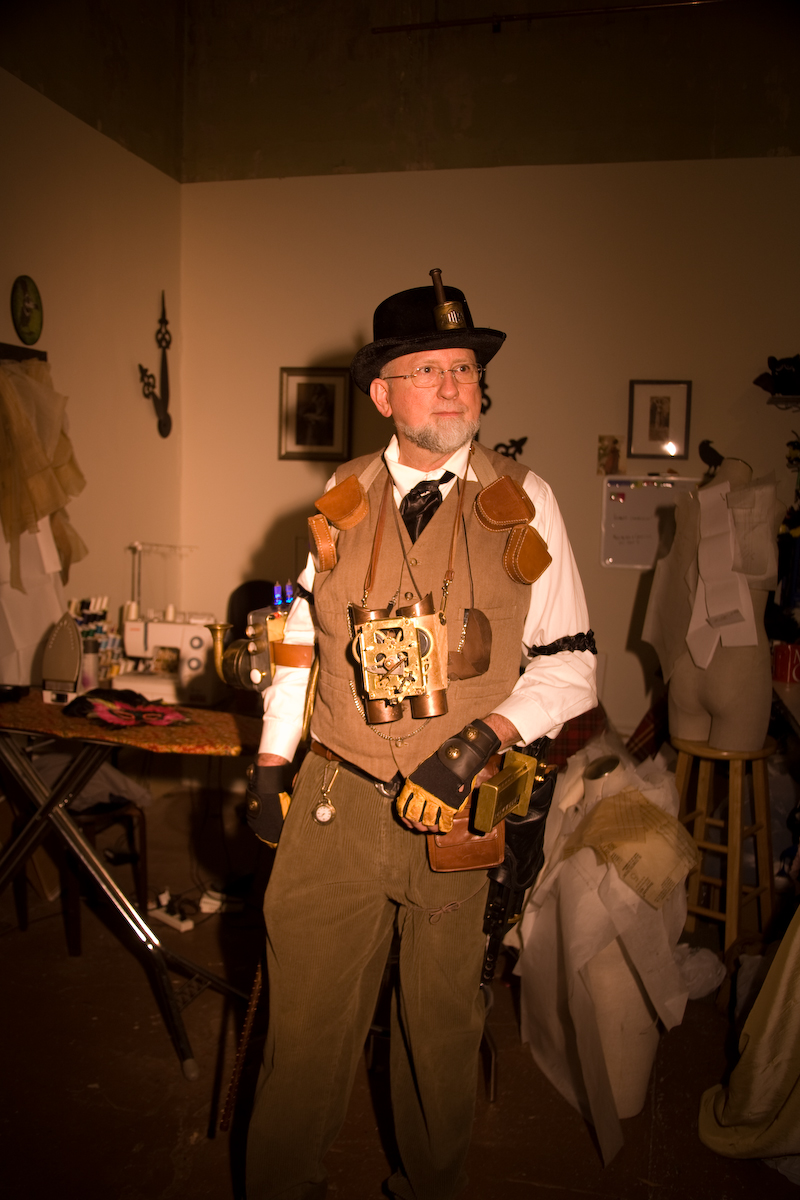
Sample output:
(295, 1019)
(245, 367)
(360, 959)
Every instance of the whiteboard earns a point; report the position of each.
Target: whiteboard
(638, 518)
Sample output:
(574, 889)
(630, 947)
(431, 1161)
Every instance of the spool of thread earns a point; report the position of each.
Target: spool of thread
(169, 615)
(90, 666)
(131, 611)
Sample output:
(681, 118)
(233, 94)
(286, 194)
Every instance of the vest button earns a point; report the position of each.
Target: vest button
(409, 595)
(413, 562)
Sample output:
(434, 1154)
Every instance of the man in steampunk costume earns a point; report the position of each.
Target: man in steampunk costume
(437, 567)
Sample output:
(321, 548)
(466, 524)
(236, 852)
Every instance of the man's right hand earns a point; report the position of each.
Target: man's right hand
(269, 779)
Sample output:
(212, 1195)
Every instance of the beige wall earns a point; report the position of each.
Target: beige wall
(99, 231)
(599, 274)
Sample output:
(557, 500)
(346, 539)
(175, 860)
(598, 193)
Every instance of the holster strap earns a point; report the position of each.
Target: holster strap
(322, 543)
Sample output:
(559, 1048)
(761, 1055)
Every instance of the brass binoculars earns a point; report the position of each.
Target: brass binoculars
(402, 656)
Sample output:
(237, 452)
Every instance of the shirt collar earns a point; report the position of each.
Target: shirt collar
(404, 478)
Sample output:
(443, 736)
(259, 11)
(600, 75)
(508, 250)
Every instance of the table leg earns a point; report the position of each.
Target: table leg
(22, 773)
(157, 956)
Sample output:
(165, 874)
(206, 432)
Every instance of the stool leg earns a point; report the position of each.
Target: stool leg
(734, 874)
(683, 772)
(705, 782)
(763, 834)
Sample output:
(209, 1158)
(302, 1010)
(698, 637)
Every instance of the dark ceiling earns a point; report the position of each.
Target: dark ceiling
(247, 89)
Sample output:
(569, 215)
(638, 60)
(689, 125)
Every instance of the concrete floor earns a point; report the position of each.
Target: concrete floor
(95, 1101)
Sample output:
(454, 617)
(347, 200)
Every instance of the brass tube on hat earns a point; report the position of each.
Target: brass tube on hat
(449, 314)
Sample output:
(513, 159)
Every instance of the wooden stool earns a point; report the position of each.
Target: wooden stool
(699, 818)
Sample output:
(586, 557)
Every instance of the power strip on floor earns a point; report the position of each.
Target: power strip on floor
(182, 924)
(218, 902)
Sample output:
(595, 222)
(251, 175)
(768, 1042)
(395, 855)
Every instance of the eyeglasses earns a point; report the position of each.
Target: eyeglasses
(428, 377)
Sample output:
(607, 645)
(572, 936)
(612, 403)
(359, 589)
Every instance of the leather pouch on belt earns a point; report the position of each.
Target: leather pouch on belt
(463, 850)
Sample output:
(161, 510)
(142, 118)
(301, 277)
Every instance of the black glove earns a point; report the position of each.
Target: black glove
(268, 800)
(442, 784)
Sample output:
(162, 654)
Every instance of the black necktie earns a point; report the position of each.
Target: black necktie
(418, 506)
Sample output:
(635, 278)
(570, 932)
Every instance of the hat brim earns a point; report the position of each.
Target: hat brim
(370, 359)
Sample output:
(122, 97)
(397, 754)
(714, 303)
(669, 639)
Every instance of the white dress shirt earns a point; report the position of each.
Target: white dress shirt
(552, 688)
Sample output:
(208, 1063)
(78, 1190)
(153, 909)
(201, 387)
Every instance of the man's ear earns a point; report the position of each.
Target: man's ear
(379, 394)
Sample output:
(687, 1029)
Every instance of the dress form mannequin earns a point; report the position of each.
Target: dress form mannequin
(726, 701)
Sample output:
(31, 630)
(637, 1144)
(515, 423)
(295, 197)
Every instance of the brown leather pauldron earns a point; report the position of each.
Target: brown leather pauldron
(503, 505)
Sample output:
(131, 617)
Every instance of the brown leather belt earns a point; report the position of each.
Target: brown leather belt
(391, 788)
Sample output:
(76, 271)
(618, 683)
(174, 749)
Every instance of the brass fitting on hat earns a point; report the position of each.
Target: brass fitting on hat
(449, 314)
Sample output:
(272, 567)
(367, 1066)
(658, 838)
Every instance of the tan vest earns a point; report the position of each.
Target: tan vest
(480, 582)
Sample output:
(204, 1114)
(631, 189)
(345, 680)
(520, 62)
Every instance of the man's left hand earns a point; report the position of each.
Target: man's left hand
(442, 784)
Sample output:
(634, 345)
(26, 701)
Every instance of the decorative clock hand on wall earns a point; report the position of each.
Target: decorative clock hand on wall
(511, 448)
(161, 398)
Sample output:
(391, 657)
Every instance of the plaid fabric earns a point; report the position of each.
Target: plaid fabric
(651, 732)
(575, 734)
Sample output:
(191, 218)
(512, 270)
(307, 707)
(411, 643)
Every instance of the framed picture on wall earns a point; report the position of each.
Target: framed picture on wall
(658, 418)
(314, 413)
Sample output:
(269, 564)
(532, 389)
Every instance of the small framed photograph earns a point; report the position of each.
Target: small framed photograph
(658, 418)
(314, 413)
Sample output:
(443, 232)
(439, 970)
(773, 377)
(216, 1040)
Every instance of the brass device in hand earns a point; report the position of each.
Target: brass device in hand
(507, 792)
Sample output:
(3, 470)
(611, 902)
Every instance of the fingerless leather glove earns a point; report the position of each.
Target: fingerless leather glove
(268, 800)
(441, 785)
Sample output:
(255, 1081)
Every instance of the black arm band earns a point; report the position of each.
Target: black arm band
(575, 641)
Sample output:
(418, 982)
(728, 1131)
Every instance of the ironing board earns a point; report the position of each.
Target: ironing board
(206, 732)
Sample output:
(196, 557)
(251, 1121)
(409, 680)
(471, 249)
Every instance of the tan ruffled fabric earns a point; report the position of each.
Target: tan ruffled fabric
(38, 471)
(758, 1114)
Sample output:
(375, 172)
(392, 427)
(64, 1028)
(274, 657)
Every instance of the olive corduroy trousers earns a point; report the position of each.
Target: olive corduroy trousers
(334, 897)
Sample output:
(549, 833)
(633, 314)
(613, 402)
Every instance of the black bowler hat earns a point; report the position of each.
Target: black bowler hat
(423, 318)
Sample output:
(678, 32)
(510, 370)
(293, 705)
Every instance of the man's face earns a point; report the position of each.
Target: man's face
(438, 419)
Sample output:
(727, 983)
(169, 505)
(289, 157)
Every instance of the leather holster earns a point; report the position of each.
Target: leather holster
(463, 850)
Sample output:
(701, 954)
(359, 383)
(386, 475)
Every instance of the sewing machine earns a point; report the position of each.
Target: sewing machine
(174, 660)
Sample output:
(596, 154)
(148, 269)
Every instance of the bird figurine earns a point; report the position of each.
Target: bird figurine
(711, 457)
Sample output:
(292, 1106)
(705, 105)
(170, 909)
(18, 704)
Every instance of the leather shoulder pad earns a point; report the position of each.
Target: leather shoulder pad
(504, 504)
(344, 505)
(526, 556)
